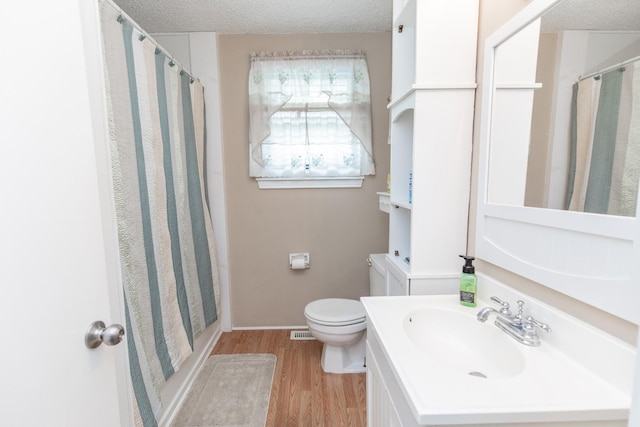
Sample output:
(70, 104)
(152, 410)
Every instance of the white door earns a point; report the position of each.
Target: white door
(58, 273)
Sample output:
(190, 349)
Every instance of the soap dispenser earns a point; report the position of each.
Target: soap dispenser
(468, 282)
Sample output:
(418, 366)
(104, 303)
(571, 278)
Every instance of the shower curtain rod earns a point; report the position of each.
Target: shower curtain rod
(612, 67)
(146, 35)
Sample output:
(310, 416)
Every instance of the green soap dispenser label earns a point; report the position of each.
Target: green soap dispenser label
(468, 288)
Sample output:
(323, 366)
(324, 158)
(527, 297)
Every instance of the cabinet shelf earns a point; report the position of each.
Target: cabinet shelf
(400, 205)
(407, 101)
(404, 102)
(401, 169)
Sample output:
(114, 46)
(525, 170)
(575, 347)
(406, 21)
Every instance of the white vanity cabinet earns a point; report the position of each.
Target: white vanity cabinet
(431, 110)
(386, 405)
(380, 408)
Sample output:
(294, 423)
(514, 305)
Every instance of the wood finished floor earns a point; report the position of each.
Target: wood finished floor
(301, 394)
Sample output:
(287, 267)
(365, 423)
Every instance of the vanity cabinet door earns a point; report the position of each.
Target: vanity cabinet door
(380, 409)
(397, 279)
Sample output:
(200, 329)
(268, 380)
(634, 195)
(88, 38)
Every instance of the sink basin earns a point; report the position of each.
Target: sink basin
(459, 342)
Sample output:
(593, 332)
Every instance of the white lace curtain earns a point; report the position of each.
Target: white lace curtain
(310, 115)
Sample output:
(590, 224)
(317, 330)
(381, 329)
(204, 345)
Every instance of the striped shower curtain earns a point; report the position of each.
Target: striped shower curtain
(156, 134)
(604, 168)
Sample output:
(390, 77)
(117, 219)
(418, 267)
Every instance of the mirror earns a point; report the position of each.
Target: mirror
(590, 256)
(581, 149)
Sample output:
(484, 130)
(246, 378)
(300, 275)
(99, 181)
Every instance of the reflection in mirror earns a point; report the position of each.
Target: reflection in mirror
(590, 257)
(579, 109)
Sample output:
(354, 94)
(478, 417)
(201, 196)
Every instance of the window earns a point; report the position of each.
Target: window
(310, 116)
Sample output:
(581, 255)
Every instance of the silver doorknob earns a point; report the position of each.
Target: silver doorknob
(99, 333)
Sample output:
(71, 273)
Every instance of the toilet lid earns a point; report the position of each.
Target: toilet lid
(335, 311)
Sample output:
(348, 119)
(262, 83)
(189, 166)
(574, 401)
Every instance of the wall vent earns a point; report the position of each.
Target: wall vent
(301, 335)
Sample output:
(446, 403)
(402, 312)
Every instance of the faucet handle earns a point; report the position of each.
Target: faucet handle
(505, 305)
(520, 309)
(543, 326)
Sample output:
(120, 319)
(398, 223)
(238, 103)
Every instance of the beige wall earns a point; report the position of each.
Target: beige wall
(338, 227)
(493, 13)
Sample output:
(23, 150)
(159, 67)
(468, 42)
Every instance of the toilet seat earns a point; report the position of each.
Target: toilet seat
(335, 312)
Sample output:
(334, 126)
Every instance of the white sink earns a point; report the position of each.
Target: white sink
(459, 342)
(452, 369)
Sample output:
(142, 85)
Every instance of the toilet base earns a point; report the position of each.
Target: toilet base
(349, 359)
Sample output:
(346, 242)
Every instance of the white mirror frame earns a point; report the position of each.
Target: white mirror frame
(590, 257)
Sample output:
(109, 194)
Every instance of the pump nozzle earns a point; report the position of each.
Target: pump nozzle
(468, 264)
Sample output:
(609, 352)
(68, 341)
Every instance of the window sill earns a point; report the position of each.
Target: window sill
(319, 182)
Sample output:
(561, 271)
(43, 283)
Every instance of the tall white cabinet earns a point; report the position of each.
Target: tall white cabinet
(431, 111)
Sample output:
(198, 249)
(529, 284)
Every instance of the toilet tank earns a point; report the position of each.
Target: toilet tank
(377, 280)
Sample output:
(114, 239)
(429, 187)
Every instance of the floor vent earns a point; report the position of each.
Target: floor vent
(301, 335)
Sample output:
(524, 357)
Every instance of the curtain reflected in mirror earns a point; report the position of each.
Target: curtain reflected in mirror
(604, 151)
(584, 152)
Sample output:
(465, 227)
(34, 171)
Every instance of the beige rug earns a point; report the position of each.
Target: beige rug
(230, 390)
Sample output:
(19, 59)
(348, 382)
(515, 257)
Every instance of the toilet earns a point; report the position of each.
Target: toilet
(341, 324)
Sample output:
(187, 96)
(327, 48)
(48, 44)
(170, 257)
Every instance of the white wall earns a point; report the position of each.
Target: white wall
(178, 46)
(610, 48)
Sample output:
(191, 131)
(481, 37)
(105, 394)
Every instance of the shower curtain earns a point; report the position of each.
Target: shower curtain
(156, 134)
(604, 168)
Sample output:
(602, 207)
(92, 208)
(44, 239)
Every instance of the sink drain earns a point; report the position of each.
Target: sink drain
(477, 374)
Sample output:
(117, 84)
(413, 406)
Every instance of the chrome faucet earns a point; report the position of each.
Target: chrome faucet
(522, 329)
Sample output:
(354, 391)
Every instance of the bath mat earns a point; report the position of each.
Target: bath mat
(230, 390)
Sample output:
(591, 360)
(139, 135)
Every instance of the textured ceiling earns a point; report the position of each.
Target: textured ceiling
(622, 15)
(341, 16)
(260, 16)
